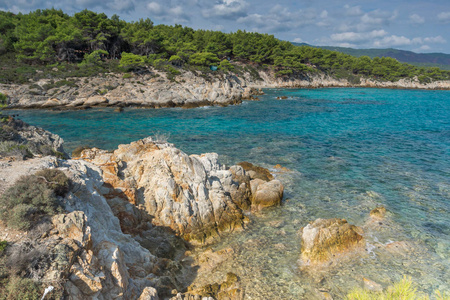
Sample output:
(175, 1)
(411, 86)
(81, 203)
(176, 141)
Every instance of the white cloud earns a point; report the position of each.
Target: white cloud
(324, 14)
(356, 37)
(279, 19)
(176, 11)
(154, 8)
(444, 17)
(437, 39)
(416, 19)
(422, 48)
(378, 17)
(227, 9)
(353, 11)
(298, 40)
(168, 13)
(392, 41)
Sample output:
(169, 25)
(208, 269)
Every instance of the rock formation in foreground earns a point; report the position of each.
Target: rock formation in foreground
(195, 196)
(117, 236)
(325, 239)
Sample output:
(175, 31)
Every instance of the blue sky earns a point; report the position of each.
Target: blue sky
(420, 26)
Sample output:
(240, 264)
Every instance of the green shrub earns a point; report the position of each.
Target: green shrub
(94, 58)
(284, 73)
(32, 197)
(77, 152)
(226, 65)
(3, 100)
(56, 180)
(403, 290)
(127, 75)
(11, 148)
(204, 59)
(3, 245)
(102, 91)
(21, 288)
(132, 61)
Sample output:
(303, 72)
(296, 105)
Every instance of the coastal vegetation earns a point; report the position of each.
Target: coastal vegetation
(32, 197)
(51, 44)
(404, 289)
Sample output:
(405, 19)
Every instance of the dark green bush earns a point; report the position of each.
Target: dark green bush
(3, 100)
(56, 180)
(3, 245)
(32, 197)
(11, 148)
(77, 152)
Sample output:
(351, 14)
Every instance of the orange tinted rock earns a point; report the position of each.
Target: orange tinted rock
(325, 238)
(378, 213)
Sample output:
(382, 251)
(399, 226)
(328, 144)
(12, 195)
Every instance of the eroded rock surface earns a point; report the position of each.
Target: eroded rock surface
(324, 239)
(195, 196)
(37, 140)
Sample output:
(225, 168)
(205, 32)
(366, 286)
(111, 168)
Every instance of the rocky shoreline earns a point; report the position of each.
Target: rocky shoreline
(130, 216)
(188, 90)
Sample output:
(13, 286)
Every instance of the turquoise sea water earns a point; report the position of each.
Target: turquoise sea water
(348, 150)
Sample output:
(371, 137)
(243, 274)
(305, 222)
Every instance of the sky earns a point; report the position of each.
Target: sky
(416, 25)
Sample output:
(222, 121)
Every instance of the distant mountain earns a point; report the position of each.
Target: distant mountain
(440, 60)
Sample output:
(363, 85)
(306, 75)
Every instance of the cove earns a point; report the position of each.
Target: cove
(348, 150)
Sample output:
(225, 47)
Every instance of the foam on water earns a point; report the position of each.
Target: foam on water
(349, 150)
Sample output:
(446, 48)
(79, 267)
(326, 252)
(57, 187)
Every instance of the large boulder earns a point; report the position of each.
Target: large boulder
(266, 194)
(324, 239)
(195, 196)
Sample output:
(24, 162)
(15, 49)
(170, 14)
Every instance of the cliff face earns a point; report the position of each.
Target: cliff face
(185, 90)
(151, 90)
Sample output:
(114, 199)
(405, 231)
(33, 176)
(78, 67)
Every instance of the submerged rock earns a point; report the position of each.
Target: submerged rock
(195, 196)
(378, 212)
(228, 289)
(324, 239)
(372, 285)
(256, 172)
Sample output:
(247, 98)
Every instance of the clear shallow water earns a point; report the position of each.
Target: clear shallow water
(349, 150)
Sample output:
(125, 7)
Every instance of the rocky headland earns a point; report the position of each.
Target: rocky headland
(128, 218)
(189, 89)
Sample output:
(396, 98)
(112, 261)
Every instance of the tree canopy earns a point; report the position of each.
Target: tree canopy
(50, 36)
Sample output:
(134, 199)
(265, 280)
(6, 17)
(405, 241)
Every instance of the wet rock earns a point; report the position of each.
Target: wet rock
(256, 172)
(324, 239)
(279, 168)
(228, 289)
(325, 295)
(266, 194)
(378, 213)
(399, 247)
(372, 285)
